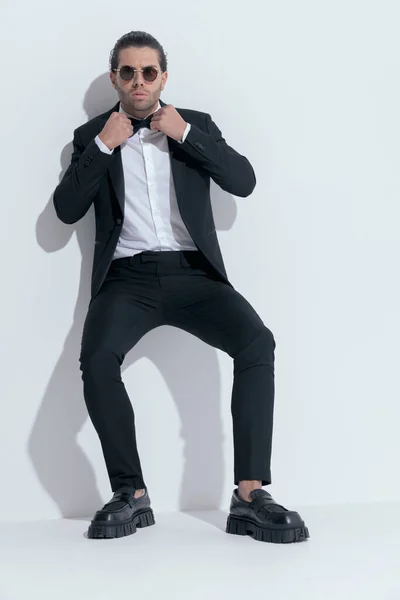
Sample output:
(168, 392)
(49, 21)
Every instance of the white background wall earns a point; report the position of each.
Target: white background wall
(309, 92)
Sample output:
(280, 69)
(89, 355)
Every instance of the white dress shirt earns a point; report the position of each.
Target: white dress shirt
(152, 219)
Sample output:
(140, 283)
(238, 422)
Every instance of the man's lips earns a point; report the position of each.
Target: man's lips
(139, 94)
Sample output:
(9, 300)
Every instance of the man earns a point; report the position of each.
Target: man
(146, 167)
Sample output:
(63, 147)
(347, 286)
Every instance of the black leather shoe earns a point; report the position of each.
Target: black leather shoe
(121, 515)
(264, 520)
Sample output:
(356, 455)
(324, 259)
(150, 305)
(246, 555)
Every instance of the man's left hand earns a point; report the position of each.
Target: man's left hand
(169, 121)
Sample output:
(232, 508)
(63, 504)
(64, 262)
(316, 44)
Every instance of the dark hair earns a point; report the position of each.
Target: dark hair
(138, 39)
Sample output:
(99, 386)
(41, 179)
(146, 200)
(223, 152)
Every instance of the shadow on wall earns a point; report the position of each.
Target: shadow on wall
(60, 463)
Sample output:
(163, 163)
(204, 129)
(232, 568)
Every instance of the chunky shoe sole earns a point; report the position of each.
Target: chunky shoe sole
(143, 519)
(239, 526)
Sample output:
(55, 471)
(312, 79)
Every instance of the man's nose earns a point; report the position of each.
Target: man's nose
(138, 78)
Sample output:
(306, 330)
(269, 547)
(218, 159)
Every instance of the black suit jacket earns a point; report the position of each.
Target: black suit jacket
(94, 176)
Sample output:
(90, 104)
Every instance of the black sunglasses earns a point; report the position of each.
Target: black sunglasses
(127, 73)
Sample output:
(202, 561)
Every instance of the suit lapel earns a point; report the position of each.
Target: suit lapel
(116, 173)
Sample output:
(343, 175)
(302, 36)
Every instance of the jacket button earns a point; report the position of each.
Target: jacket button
(86, 163)
(118, 221)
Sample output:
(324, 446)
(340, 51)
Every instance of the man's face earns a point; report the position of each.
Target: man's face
(138, 58)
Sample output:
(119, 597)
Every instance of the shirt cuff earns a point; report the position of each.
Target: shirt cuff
(185, 133)
(102, 146)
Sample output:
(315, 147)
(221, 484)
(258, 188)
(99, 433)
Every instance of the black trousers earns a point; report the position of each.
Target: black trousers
(180, 289)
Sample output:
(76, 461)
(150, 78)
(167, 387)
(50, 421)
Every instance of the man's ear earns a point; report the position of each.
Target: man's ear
(164, 79)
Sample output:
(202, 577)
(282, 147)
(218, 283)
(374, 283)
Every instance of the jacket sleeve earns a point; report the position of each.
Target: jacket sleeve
(76, 191)
(229, 169)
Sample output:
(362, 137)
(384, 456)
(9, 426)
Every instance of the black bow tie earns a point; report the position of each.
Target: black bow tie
(138, 124)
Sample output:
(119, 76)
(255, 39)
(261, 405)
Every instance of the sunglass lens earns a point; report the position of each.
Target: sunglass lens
(126, 73)
(149, 73)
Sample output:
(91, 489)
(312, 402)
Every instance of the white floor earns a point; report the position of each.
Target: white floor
(353, 553)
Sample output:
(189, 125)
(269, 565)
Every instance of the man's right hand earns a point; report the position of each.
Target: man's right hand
(117, 129)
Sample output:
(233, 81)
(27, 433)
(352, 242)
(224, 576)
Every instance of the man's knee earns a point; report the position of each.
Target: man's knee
(97, 360)
(260, 349)
(264, 342)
